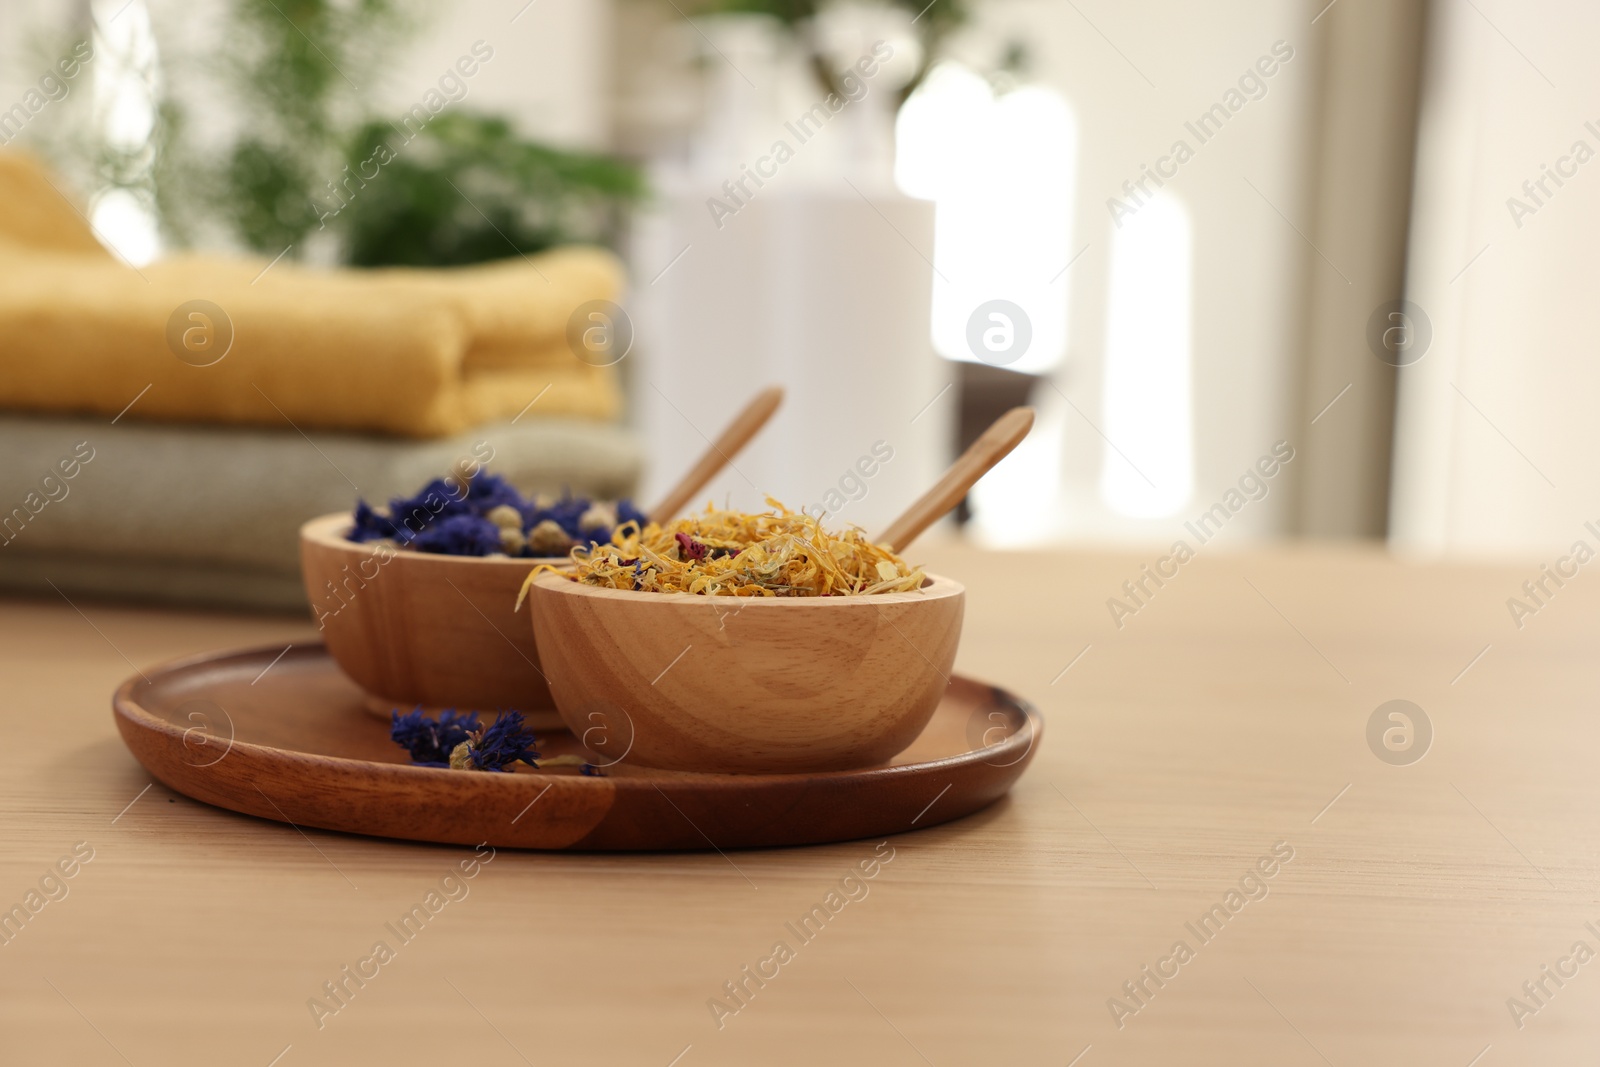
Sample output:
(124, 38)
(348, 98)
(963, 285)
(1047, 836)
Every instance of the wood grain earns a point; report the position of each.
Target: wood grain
(297, 747)
(993, 445)
(746, 685)
(720, 453)
(1182, 745)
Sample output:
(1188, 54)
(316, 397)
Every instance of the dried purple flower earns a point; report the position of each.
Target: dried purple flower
(440, 519)
(626, 512)
(439, 499)
(460, 535)
(460, 742)
(488, 491)
(565, 513)
(369, 525)
(689, 548)
(505, 742)
(430, 742)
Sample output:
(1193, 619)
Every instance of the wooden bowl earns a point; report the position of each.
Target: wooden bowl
(748, 686)
(418, 628)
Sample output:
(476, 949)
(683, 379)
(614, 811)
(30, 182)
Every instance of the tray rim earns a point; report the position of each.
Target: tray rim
(125, 705)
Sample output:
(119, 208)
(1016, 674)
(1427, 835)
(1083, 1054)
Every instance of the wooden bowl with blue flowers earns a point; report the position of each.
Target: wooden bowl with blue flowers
(417, 601)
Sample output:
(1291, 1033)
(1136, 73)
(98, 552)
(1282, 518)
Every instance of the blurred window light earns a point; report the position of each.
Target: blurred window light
(1018, 503)
(127, 84)
(122, 219)
(1148, 471)
(1001, 171)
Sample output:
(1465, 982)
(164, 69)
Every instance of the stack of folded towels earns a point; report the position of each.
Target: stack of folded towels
(190, 476)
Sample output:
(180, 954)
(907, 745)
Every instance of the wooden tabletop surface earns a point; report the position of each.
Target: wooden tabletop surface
(1206, 778)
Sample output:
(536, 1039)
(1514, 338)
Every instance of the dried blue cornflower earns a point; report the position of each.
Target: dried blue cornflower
(438, 500)
(459, 741)
(440, 519)
(430, 742)
(459, 535)
(626, 512)
(489, 491)
(506, 741)
(565, 513)
(369, 525)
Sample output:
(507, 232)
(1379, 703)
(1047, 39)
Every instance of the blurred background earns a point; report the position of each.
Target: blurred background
(1267, 269)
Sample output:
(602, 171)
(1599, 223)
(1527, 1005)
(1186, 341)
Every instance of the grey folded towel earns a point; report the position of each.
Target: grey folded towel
(211, 515)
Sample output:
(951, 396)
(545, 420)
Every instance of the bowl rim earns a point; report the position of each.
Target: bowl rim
(330, 530)
(941, 588)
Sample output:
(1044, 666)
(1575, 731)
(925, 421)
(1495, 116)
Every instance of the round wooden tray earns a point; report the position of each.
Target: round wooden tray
(287, 739)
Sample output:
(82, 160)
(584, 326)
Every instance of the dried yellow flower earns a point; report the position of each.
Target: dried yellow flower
(733, 553)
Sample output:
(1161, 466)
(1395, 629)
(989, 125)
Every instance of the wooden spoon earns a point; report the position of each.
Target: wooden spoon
(1004, 434)
(721, 453)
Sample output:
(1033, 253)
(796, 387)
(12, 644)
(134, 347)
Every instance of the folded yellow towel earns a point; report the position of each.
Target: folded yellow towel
(419, 353)
(37, 212)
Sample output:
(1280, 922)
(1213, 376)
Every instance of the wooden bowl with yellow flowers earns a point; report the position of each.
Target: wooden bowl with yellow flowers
(742, 643)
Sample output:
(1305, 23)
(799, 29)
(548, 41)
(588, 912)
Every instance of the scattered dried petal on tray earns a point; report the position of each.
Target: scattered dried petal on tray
(458, 741)
(733, 553)
(430, 741)
(495, 749)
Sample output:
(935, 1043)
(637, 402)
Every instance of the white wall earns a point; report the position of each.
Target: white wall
(23, 25)
(550, 68)
(1496, 427)
(30, 30)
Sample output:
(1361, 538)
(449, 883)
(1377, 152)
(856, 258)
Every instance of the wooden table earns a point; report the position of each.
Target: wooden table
(1227, 715)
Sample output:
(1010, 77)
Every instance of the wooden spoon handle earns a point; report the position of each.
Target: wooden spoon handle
(721, 453)
(996, 444)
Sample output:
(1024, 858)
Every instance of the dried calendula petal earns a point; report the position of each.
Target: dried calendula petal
(732, 553)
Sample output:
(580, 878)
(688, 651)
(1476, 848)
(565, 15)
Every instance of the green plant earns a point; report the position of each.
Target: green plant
(297, 77)
(468, 189)
(295, 74)
(933, 22)
(463, 189)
